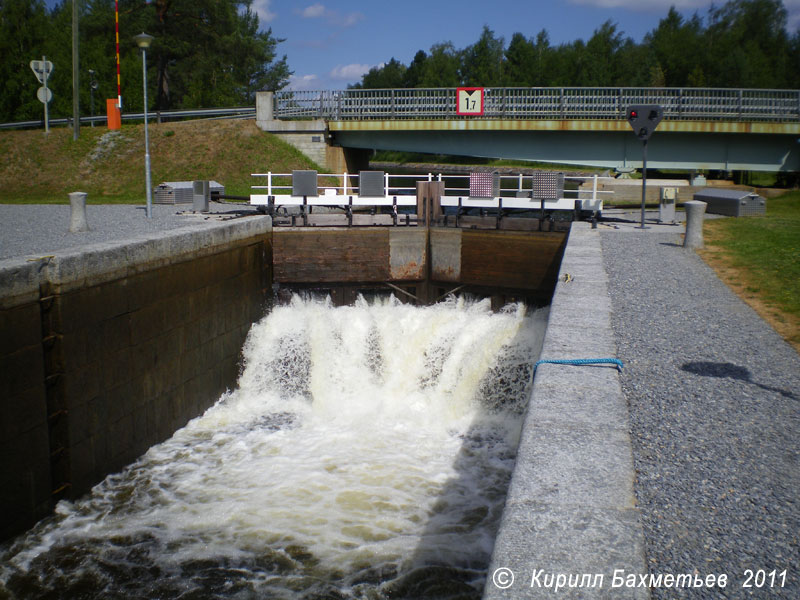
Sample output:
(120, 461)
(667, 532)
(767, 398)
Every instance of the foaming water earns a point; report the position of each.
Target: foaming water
(365, 454)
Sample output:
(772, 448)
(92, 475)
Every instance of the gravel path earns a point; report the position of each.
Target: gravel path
(43, 228)
(714, 398)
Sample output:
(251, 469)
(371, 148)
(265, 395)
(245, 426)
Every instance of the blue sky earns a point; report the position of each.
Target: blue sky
(331, 43)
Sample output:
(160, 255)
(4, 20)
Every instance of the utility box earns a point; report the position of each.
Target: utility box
(484, 185)
(666, 204)
(733, 203)
(304, 183)
(371, 184)
(547, 185)
(201, 194)
(181, 192)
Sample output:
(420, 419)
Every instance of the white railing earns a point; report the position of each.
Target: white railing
(520, 197)
(541, 103)
(400, 191)
(342, 194)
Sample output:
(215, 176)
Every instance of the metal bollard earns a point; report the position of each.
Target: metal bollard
(694, 223)
(77, 221)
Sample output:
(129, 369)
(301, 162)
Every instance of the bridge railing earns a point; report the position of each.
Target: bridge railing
(541, 103)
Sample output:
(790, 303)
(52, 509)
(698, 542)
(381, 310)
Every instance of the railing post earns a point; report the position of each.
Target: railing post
(798, 104)
(740, 104)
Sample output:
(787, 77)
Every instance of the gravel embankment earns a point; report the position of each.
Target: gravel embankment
(39, 229)
(714, 399)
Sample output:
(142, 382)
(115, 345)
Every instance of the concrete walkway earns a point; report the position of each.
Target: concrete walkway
(714, 404)
(676, 478)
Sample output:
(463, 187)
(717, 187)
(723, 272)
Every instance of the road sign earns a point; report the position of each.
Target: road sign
(644, 118)
(44, 94)
(42, 69)
(469, 101)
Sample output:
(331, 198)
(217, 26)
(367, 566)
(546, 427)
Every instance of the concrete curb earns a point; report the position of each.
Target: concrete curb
(21, 278)
(570, 520)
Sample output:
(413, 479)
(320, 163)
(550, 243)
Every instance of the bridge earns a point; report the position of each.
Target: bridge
(703, 128)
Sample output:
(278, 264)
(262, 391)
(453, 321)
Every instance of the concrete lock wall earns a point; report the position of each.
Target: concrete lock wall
(107, 351)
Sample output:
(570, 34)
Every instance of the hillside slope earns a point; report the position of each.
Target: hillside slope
(109, 165)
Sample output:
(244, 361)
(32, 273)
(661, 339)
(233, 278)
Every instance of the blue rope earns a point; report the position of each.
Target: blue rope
(581, 361)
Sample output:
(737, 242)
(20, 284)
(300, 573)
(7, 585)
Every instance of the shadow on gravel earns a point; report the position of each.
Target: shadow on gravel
(722, 370)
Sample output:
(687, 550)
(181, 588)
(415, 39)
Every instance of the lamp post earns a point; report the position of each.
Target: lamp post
(143, 41)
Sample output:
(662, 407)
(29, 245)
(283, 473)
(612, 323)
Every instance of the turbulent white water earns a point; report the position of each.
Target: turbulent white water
(365, 453)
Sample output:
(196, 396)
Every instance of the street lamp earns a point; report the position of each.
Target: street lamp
(143, 41)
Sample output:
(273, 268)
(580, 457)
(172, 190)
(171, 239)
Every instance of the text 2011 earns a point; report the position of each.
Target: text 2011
(764, 579)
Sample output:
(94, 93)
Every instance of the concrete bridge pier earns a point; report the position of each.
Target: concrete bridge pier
(311, 137)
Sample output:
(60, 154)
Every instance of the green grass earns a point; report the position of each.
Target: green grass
(43, 169)
(763, 254)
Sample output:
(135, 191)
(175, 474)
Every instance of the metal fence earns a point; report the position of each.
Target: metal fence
(246, 112)
(692, 104)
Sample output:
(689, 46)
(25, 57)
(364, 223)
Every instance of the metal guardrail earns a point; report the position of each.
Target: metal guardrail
(247, 112)
(691, 104)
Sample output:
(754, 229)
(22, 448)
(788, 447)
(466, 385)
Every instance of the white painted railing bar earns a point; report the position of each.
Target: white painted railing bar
(346, 195)
(541, 103)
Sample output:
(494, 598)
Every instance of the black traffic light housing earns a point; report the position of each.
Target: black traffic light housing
(644, 118)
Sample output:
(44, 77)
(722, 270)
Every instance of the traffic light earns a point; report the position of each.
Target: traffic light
(644, 118)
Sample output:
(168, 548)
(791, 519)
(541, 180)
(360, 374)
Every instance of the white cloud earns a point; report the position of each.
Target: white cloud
(314, 11)
(261, 8)
(318, 11)
(350, 72)
(793, 8)
(347, 20)
(303, 82)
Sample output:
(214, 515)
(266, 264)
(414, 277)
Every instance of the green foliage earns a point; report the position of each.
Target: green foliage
(482, 63)
(23, 30)
(742, 43)
(389, 75)
(442, 67)
(206, 53)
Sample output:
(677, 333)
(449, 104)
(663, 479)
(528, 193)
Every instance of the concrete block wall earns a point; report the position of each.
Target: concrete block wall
(108, 351)
(25, 479)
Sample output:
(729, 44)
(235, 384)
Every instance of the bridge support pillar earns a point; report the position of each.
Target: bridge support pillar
(346, 160)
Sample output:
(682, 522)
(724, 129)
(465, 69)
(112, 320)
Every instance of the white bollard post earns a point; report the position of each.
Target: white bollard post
(694, 223)
(77, 222)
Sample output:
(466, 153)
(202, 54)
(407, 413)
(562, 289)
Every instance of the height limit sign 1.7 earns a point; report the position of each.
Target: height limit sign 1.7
(469, 101)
